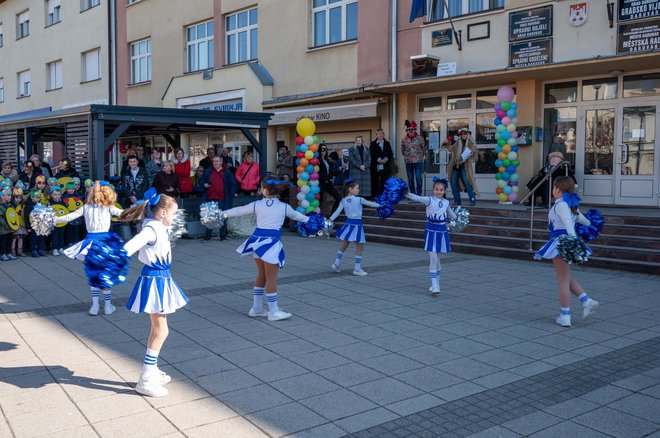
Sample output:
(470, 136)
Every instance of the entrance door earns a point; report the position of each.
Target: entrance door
(636, 157)
(437, 131)
(595, 159)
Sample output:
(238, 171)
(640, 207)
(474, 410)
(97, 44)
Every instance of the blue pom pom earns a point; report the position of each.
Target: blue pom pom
(315, 223)
(385, 210)
(106, 262)
(572, 199)
(589, 233)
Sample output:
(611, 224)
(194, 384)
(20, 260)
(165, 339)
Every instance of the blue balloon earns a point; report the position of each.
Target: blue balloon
(304, 176)
(506, 176)
(297, 162)
(498, 162)
(511, 169)
(309, 168)
(505, 134)
(514, 105)
(497, 121)
(511, 113)
(304, 148)
(300, 210)
(315, 189)
(514, 148)
(498, 135)
(310, 196)
(316, 154)
(498, 149)
(507, 190)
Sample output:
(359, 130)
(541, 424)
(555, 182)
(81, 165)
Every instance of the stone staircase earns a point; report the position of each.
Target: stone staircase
(628, 242)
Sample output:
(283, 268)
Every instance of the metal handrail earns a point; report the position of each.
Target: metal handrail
(547, 177)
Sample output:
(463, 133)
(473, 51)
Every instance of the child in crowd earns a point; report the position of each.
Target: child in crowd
(37, 244)
(352, 230)
(6, 232)
(17, 202)
(76, 187)
(155, 292)
(436, 237)
(8, 172)
(265, 245)
(57, 236)
(97, 212)
(72, 202)
(40, 184)
(52, 182)
(88, 186)
(561, 220)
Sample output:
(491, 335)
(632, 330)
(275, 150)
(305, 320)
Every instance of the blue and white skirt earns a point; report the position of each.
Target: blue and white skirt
(352, 230)
(79, 250)
(436, 237)
(264, 244)
(549, 249)
(156, 292)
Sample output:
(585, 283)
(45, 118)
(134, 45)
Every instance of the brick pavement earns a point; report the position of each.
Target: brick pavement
(373, 356)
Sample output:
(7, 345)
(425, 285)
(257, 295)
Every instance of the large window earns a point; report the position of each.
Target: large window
(2, 36)
(54, 75)
(242, 39)
(643, 85)
(53, 14)
(22, 25)
(561, 92)
(24, 83)
(461, 7)
(87, 4)
(334, 21)
(141, 61)
(199, 46)
(91, 65)
(2, 90)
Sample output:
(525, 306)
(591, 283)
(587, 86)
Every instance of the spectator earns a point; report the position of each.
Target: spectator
(29, 175)
(182, 168)
(247, 174)
(285, 163)
(8, 171)
(155, 165)
(413, 149)
(135, 181)
(360, 166)
(326, 176)
(460, 168)
(66, 169)
(131, 152)
(381, 160)
(167, 182)
(198, 190)
(140, 154)
(41, 167)
(220, 186)
(226, 158)
(341, 169)
(208, 161)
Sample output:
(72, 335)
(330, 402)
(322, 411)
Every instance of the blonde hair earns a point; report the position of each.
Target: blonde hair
(142, 210)
(168, 163)
(104, 196)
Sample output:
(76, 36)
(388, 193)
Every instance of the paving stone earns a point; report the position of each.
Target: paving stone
(328, 430)
(606, 394)
(319, 360)
(204, 366)
(144, 424)
(616, 423)
(571, 408)
(460, 390)
(366, 419)
(428, 379)
(639, 405)
(114, 406)
(338, 404)
(255, 398)
(568, 429)
(197, 413)
(275, 370)
(531, 423)
(467, 368)
(359, 351)
(385, 391)
(285, 419)
(227, 381)
(392, 364)
(351, 374)
(304, 386)
(414, 404)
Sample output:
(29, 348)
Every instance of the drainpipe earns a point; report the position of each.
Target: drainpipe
(394, 78)
(113, 52)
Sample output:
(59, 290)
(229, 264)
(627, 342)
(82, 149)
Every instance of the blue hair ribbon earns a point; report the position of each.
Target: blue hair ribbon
(278, 181)
(104, 183)
(348, 181)
(572, 199)
(445, 181)
(151, 197)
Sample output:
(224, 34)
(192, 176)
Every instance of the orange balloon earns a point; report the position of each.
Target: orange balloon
(499, 190)
(313, 147)
(501, 156)
(304, 161)
(506, 148)
(301, 169)
(501, 169)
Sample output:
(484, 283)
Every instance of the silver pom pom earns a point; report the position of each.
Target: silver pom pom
(462, 220)
(210, 215)
(328, 229)
(178, 227)
(42, 220)
(242, 225)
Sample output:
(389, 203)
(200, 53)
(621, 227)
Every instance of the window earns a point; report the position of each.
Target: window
(334, 21)
(242, 36)
(88, 4)
(463, 101)
(560, 132)
(24, 83)
(641, 85)
(599, 89)
(53, 12)
(2, 38)
(2, 90)
(199, 46)
(141, 61)
(430, 104)
(91, 65)
(22, 25)
(461, 7)
(54, 75)
(562, 92)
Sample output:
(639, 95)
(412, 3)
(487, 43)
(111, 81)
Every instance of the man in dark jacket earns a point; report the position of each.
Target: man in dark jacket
(381, 159)
(134, 181)
(220, 186)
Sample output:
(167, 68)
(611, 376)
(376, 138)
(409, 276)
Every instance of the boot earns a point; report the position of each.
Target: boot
(19, 248)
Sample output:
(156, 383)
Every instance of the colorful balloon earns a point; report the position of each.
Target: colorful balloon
(309, 155)
(505, 93)
(506, 105)
(513, 197)
(502, 197)
(309, 140)
(300, 140)
(506, 121)
(304, 148)
(305, 127)
(506, 148)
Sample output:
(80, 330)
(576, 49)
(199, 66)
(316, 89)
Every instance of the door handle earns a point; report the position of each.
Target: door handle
(623, 156)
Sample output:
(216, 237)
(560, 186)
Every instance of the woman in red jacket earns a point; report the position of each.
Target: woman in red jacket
(182, 169)
(247, 174)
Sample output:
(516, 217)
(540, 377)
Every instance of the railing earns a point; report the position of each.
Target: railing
(532, 192)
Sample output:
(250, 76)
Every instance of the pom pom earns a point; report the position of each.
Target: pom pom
(106, 262)
(462, 220)
(315, 223)
(571, 249)
(242, 225)
(210, 215)
(572, 199)
(328, 229)
(395, 189)
(178, 227)
(42, 220)
(589, 233)
(386, 209)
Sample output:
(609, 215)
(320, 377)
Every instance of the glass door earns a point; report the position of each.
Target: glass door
(636, 157)
(595, 159)
(439, 133)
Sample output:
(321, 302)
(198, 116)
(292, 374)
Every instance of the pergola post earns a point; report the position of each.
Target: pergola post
(260, 146)
(98, 148)
(27, 143)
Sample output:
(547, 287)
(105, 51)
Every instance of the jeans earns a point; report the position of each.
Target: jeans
(414, 171)
(454, 185)
(223, 230)
(36, 242)
(57, 238)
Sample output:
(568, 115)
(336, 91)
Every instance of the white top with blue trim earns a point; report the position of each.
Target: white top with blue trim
(270, 213)
(560, 217)
(97, 217)
(353, 207)
(437, 209)
(153, 242)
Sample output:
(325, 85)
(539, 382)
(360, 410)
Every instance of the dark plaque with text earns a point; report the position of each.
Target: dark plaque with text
(530, 23)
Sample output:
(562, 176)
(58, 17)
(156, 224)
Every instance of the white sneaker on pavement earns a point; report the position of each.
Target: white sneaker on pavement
(55, 252)
(278, 315)
(589, 307)
(164, 377)
(256, 313)
(335, 268)
(109, 309)
(360, 273)
(435, 291)
(61, 251)
(150, 385)
(94, 310)
(563, 320)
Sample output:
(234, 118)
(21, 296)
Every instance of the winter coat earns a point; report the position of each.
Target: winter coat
(230, 186)
(247, 175)
(285, 165)
(153, 168)
(134, 186)
(167, 184)
(70, 172)
(456, 162)
(377, 153)
(182, 168)
(362, 177)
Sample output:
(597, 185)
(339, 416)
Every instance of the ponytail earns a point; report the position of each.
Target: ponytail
(147, 207)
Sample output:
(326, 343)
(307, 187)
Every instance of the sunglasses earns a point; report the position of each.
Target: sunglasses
(410, 129)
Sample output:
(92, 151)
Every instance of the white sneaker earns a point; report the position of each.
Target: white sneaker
(55, 252)
(61, 251)
(150, 385)
(335, 268)
(360, 273)
(589, 307)
(563, 320)
(278, 315)
(435, 291)
(94, 310)
(164, 377)
(254, 313)
(109, 309)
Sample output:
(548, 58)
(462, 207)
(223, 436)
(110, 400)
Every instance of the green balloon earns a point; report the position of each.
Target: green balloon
(506, 105)
(501, 142)
(316, 139)
(506, 163)
(498, 176)
(516, 163)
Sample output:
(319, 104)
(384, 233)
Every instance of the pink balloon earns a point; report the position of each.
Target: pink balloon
(501, 114)
(506, 121)
(513, 197)
(314, 176)
(514, 134)
(505, 93)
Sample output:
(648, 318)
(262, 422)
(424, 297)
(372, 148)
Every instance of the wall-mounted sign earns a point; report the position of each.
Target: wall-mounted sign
(447, 69)
(577, 14)
(643, 36)
(530, 53)
(225, 105)
(441, 38)
(478, 31)
(326, 113)
(637, 9)
(530, 23)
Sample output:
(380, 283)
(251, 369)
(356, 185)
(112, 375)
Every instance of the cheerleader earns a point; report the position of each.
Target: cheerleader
(98, 212)
(155, 292)
(436, 237)
(266, 246)
(561, 220)
(352, 230)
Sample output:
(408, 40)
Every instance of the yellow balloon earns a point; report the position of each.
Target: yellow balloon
(305, 127)
(309, 155)
(506, 148)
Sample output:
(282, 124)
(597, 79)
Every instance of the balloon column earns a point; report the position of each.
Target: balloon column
(307, 167)
(507, 161)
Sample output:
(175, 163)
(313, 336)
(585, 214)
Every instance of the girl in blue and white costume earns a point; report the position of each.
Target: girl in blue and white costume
(352, 230)
(561, 220)
(155, 292)
(436, 237)
(98, 212)
(265, 245)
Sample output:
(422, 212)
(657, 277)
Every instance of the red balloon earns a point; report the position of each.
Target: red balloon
(300, 154)
(314, 161)
(300, 140)
(317, 196)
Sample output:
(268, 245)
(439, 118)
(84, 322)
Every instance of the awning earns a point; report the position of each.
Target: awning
(327, 113)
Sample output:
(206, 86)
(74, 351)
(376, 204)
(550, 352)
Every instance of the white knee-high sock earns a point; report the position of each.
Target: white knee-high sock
(107, 295)
(150, 363)
(338, 257)
(272, 302)
(358, 263)
(258, 298)
(95, 296)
